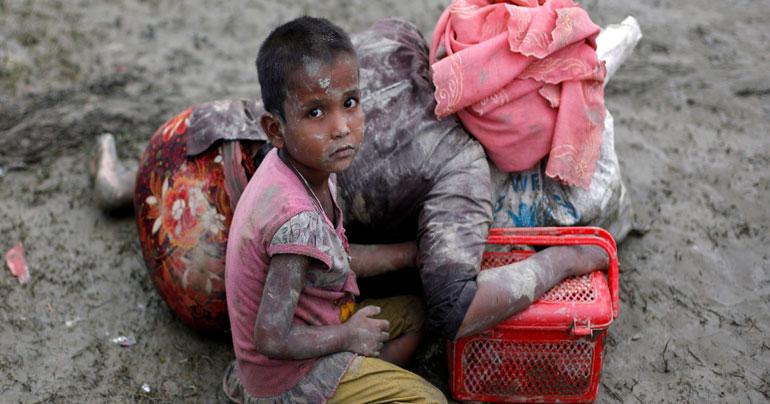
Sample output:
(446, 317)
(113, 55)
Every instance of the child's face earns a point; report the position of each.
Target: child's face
(324, 120)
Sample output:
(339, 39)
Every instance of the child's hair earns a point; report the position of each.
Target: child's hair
(288, 47)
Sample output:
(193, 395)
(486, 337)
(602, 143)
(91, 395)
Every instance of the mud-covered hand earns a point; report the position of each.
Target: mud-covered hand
(366, 335)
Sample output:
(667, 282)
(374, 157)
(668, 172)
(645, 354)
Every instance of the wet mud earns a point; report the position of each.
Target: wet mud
(691, 110)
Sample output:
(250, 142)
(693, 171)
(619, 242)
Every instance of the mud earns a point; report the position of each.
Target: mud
(691, 110)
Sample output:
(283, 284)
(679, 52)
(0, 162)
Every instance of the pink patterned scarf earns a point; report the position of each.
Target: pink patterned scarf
(524, 79)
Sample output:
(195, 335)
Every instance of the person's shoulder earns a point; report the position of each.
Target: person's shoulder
(274, 174)
(275, 191)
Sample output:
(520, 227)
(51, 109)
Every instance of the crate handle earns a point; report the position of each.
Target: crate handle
(579, 235)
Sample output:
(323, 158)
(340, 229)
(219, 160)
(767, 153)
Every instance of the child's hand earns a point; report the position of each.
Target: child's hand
(366, 334)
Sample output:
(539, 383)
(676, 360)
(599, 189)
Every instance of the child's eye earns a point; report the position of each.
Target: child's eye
(315, 113)
(351, 102)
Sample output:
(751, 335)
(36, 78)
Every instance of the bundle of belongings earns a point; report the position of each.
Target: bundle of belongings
(526, 79)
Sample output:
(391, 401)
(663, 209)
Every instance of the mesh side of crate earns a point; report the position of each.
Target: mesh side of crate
(515, 368)
(498, 260)
(573, 289)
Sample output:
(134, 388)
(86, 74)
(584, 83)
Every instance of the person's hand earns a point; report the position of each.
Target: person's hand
(589, 258)
(366, 334)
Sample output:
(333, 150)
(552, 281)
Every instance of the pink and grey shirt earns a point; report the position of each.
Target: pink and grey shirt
(277, 215)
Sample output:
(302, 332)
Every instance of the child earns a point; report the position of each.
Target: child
(289, 280)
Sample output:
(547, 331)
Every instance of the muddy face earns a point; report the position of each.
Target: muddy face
(324, 120)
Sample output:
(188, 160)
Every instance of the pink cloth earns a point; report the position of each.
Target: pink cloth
(524, 79)
(277, 215)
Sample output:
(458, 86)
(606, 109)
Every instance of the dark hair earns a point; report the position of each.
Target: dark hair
(287, 47)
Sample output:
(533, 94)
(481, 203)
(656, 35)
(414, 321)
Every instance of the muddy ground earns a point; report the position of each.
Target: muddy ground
(691, 111)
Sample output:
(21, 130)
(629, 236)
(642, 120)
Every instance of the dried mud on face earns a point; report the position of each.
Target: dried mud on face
(691, 110)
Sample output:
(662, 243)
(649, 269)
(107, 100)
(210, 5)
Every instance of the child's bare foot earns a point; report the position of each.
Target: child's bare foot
(589, 258)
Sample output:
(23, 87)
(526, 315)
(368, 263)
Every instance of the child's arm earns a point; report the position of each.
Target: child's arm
(276, 336)
(509, 289)
(375, 259)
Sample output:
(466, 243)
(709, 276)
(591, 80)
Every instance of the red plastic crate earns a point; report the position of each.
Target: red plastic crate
(552, 351)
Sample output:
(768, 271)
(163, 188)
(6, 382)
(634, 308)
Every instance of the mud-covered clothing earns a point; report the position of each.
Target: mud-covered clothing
(224, 120)
(277, 215)
(414, 176)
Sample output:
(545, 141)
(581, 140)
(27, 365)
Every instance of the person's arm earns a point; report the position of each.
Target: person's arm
(375, 259)
(276, 336)
(507, 290)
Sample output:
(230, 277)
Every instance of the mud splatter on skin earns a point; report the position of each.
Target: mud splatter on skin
(375, 259)
(366, 335)
(520, 281)
(502, 292)
(279, 300)
(324, 121)
(318, 69)
(275, 333)
(505, 291)
(312, 65)
(673, 102)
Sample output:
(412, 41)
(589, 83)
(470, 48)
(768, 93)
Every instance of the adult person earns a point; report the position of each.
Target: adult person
(416, 178)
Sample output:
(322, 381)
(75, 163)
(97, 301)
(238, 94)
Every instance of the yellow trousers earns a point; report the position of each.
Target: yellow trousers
(406, 313)
(372, 380)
